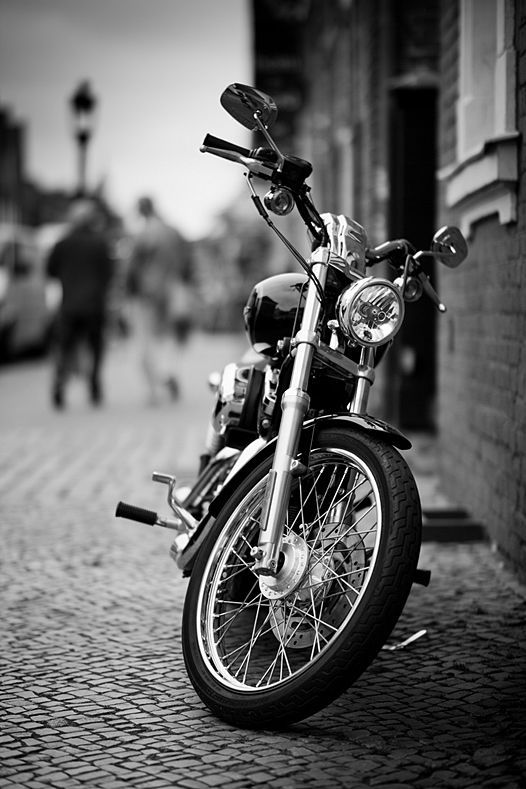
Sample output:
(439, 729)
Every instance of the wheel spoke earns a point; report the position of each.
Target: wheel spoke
(316, 644)
(312, 618)
(261, 631)
(281, 652)
(253, 639)
(328, 554)
(256, 642)
(255, 634)
(333, 505)
(222, 628)
(347, 496)
(304, 502)
(335, 577)
(242, 605)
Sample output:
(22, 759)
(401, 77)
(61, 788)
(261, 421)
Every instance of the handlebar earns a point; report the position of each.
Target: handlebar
(401, 246)
(235, 153)
(266, 163)
(222, 145)
(387, 249)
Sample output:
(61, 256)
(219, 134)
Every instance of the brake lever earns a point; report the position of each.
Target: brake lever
(258, 168)
(430, 291)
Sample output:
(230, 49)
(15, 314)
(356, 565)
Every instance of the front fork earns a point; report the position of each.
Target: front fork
(295, 404)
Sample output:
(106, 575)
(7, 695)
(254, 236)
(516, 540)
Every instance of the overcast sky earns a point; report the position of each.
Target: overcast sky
(157, 68)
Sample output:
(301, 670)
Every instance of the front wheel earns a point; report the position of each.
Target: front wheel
(266, 652)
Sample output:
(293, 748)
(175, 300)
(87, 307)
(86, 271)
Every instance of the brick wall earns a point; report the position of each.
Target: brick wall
(482, 349)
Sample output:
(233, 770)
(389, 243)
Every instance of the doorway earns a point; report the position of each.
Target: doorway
(412, 181)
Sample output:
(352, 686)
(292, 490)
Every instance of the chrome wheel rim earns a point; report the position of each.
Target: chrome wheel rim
(252, 639)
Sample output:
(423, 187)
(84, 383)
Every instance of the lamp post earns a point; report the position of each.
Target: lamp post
(82, 104)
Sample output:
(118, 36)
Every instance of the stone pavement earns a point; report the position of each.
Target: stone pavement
(93, 691)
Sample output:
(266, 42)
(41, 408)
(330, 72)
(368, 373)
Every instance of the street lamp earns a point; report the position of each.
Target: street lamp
(82, 104)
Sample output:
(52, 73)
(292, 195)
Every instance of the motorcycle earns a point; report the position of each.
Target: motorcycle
(302, 532)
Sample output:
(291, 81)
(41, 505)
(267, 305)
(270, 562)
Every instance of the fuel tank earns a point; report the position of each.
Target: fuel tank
(273, 311)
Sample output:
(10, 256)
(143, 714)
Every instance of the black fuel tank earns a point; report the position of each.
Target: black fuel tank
(271, 312)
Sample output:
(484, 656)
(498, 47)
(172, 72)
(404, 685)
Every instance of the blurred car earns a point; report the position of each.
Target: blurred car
(28, 301)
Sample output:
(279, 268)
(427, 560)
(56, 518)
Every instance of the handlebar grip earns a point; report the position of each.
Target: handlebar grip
(216, 142)
(133, 513)
(388, 248)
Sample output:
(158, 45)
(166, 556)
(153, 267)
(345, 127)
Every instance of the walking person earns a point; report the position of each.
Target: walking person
(158, 267)
(81, 261)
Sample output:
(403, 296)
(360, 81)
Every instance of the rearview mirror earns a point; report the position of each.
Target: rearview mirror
(449, 246)
(243, 101)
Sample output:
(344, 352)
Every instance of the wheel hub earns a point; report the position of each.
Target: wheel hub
(304, 588)
(296, 558)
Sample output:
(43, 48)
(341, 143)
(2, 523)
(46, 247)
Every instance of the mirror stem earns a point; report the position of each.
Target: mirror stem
(263, 129)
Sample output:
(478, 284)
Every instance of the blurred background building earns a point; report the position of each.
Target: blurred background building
(413, 115)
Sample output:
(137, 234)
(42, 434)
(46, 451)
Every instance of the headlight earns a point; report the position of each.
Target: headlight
(370, 311)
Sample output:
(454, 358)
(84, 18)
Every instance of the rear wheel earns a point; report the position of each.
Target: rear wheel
(266, 652)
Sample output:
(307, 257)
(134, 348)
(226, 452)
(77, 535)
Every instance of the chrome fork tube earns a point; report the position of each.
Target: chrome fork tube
(364, 381)
(295, 404)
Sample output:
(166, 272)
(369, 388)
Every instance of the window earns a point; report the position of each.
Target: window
(483, 181)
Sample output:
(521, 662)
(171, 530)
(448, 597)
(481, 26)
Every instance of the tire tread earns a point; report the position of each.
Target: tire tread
(367, 630)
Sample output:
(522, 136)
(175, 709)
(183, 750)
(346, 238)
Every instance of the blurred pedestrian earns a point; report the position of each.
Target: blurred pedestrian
(157, 277)
(81, 261)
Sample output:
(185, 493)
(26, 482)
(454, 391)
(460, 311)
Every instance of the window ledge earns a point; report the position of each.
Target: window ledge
(485, 183)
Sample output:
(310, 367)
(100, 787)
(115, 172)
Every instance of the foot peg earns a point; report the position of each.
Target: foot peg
(186, 518)
(139, 514)
(184, 522)
(133, 513)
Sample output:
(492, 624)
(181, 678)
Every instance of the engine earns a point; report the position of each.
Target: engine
(236, 412)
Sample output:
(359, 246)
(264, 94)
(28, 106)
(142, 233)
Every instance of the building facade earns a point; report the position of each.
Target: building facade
(414, 115)
(482, 186)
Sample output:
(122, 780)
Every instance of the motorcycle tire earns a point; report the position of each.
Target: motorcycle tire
(266, 653)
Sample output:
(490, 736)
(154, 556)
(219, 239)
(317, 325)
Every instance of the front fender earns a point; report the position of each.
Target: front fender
(353, 422)
(360, 422)
(368, 424)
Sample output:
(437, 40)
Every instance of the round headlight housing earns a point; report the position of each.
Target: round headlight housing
(370, 311)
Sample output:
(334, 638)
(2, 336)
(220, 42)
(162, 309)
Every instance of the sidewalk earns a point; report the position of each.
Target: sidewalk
(93, 690)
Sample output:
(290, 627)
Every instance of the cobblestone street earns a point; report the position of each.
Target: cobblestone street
(93, 687)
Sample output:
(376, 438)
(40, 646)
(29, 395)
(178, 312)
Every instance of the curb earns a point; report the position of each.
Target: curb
(451, 525)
